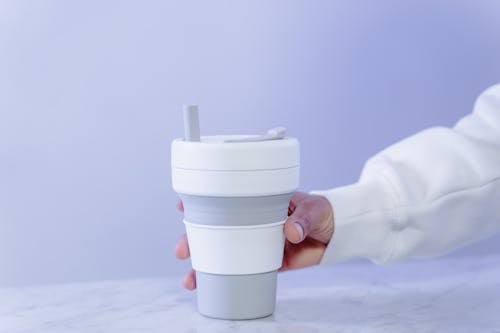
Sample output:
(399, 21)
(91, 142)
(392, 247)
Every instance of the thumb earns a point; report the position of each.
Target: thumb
(299, 223)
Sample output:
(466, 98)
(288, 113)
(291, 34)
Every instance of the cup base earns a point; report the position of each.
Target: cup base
(236, 297)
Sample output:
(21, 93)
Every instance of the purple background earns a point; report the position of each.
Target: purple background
(91, 95)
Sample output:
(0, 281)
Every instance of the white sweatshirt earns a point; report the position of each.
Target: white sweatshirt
(424, 196)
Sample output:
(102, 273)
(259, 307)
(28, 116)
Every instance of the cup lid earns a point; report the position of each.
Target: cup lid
(235, 153)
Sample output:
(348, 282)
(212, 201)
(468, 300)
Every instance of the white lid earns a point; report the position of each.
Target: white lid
(233, 165)
(213, 153)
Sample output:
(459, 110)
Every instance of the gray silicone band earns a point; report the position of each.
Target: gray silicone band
(235, 210)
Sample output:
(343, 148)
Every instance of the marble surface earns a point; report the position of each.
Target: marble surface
(445, 295)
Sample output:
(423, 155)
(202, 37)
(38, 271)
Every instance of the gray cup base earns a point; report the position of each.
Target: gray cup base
(236, 297)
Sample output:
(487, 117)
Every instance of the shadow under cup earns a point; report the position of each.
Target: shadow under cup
(241, 233)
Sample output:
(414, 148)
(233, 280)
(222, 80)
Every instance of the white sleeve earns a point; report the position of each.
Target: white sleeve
(424, 196)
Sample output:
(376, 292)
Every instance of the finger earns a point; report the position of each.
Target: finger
(296, 198)
(299, 224)
(283, 267)
(189, 281)
(180, 206)
(284, 263)
(309, 253)
(294, 232)
(182, 248)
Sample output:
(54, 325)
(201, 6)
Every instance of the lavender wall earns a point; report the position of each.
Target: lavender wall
(91, 95)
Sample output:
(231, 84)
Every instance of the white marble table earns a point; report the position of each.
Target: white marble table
(446, 295)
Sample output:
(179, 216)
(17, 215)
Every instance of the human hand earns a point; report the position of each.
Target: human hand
(308, 230)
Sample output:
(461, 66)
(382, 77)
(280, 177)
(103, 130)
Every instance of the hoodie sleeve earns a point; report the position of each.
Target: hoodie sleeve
(423, 196)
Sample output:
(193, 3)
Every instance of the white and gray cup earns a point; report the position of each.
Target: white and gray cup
(235, 190)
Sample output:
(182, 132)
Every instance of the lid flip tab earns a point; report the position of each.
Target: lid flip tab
(272, 134)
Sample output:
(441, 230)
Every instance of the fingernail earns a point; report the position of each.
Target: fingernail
(300, 230)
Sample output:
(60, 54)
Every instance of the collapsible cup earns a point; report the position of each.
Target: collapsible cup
(235, 190)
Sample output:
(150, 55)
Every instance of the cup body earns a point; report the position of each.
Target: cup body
(236, 246)
(234, 215)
